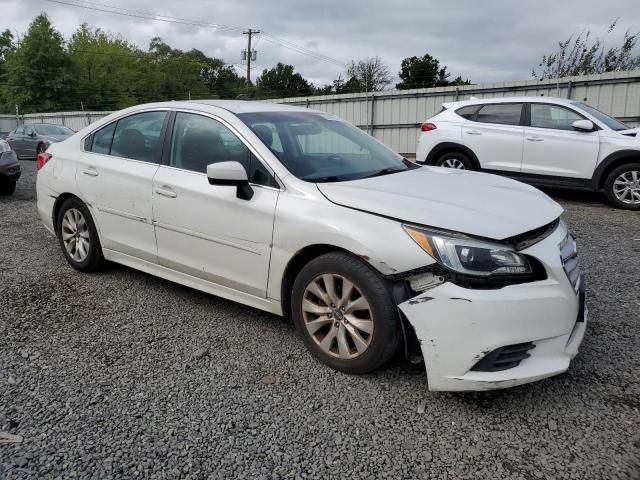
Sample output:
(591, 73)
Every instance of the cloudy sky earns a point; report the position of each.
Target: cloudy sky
(489, 40)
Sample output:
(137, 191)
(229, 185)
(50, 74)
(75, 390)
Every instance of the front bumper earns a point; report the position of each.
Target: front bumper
(9, 166)
(457, 327)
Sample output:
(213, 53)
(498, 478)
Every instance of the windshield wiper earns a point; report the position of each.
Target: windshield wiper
(327, 179)
(385, 171)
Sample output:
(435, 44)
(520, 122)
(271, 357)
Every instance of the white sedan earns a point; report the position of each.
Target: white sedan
(299, 213)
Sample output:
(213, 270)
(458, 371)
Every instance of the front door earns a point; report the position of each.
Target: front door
(205, 230)
(495, 135)
(553, 147)
(115, 175)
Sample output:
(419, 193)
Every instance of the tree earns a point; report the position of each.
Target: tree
(579, 55)
(282, 81)
(38, 71)
(370, 75)
(424, 72)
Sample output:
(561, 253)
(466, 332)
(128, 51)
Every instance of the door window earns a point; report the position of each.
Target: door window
(198, 141)
(137, 137)
(553, 116)
(20, 130)
(102, 139)
(501, 113)
(468, 112)
(28, 130)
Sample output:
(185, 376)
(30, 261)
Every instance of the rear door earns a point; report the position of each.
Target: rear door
(115, 175)
(495, 134)
(29, 142)
(16, 140)
(553, 147)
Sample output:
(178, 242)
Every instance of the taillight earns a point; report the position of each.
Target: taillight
(427, 127)
(42, 159)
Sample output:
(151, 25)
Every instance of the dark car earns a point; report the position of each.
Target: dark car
(9, 169)
(30, 140)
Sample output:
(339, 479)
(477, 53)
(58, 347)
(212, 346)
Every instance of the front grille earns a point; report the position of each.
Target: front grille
(504, 358)
(569, 259)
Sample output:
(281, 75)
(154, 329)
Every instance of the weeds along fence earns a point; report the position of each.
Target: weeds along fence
(394, 116)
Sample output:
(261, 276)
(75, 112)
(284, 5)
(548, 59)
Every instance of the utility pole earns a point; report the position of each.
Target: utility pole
(249, 54)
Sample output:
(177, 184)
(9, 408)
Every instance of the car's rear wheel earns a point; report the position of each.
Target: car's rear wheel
(344, 313)
(455, 160)
(7, 186)
(622, 186)
(78, 236)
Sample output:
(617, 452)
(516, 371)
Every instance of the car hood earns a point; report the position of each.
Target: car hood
(468, 202)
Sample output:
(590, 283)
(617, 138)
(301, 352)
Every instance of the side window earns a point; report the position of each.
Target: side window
(468, 111)
(198, 141)
(501, 113)
(102, 139)
(553, 116)
(28, 130)
(138, 137)
(20, 130)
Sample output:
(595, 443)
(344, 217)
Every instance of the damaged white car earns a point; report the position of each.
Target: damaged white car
(299, 213)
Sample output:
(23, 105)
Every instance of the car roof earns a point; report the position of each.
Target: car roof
(539, 99)
(233, 106)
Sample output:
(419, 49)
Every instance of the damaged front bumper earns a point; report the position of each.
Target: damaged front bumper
(524, 332)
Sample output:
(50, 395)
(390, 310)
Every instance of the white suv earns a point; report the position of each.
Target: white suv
(539, 140)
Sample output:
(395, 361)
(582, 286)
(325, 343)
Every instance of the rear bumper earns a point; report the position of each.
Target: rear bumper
(457, 327)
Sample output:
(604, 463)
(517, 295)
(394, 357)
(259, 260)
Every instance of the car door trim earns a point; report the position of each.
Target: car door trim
(202, 236)
(120, 213)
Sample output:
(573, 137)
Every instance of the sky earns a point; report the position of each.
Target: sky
(484, 41)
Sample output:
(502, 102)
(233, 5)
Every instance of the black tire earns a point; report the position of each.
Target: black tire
(609, 185)
(94, 260)
(7, 186)
(455, 156)
(385, 338)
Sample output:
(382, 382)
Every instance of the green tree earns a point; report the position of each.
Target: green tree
(38, 71)
(425, 72)
(282, 81)
(580, 55)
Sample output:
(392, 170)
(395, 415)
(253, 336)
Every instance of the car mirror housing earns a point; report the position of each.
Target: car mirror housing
(583, 125)
(232, 174)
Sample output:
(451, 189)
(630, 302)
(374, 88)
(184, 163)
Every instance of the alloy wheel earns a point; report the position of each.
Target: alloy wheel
(626, 187)
(453, 163)
(75, 235)
(337, 316)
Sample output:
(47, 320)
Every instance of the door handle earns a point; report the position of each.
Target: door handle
(166, 192)
(473, 132)
(535, 139)
(92, 172)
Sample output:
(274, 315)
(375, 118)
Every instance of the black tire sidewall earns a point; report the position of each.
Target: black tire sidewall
(466, 161)
(386, 333)
(608, 185)
(94, 259)
(7, 186)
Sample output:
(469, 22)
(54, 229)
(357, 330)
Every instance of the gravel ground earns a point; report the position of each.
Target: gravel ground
(121, 375)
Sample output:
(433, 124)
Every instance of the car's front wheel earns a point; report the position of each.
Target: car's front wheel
(7, 186)
(455, 160)
(344, 313)
(78, 236)
(622, 186)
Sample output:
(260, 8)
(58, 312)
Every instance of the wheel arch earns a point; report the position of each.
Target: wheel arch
(614, 160)
(446, 147)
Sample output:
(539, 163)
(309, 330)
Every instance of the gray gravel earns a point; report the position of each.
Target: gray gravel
(123, 375)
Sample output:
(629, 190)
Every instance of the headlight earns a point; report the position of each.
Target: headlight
(468, 256)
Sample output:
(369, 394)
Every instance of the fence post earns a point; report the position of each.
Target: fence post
(62, 116)
(373, 102)
(569, 89)
(457, 94)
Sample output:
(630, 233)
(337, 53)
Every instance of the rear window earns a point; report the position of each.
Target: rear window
(501, 113)
(468, 112)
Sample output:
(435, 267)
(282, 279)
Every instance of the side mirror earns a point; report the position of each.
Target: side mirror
(583, 125)
(232, 174)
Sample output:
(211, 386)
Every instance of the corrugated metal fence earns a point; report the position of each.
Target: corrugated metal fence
(394, 117)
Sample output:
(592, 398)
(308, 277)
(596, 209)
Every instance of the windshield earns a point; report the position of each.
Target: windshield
(53, 130)
(323, 148)
(610, 122)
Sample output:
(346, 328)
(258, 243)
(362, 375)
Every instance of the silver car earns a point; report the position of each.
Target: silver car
(30, 140)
